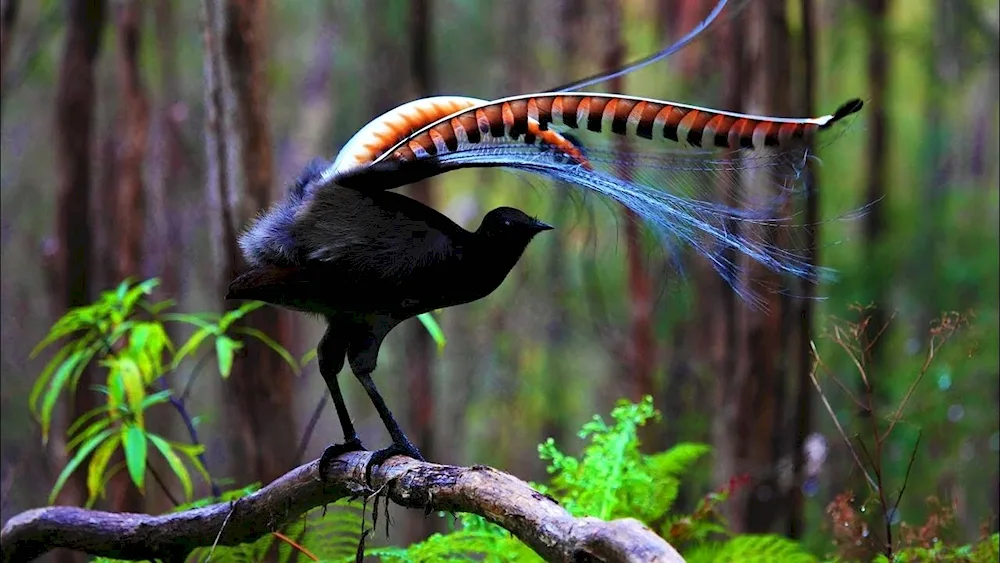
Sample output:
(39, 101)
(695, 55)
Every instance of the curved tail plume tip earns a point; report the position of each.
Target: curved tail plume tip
(847, 108)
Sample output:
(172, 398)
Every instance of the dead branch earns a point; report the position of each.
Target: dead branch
(535, 519)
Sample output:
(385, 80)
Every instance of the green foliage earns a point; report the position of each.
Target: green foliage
(433, 329)
(124, 334)
(332, 531)
(985, 550)
(612, 479)
(751, 548)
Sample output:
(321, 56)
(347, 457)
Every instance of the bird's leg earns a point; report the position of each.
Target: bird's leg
(401, 445)
(362, 352)
(330, 356)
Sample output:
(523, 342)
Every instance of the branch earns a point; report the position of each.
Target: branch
(535, 519)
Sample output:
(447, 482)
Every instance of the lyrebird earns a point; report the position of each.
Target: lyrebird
(341, 245)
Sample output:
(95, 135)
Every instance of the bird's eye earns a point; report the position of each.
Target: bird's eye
(506, 223)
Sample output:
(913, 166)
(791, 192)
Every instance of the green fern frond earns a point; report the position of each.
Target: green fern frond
(751, 548)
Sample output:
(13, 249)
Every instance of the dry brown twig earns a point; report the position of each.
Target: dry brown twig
(501, 498)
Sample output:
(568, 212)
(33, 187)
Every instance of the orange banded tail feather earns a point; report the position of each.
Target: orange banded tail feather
(510, 118)
(445, 122)
(381, 133)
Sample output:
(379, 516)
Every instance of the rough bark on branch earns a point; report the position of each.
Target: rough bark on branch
(499, 497)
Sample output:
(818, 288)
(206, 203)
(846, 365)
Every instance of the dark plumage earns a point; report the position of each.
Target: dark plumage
(366, 262)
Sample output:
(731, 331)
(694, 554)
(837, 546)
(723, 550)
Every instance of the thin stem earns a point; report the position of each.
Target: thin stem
(194, 375)
(178, 405)
(836, 423)
(163, 485)
(307, 435)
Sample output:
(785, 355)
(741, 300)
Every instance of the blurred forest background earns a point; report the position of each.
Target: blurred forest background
(106, 174)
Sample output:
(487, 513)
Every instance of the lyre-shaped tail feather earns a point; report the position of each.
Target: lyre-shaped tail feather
(684, 176)
(528, 117)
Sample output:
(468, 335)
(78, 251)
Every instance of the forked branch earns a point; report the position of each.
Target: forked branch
(499, 497)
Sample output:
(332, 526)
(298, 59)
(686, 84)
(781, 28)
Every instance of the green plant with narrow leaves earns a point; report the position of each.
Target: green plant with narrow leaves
(124, 334)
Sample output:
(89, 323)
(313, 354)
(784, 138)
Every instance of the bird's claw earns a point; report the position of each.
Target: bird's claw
(334, 451)
(406, 449)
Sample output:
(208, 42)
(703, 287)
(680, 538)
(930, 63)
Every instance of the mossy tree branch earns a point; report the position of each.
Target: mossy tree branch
(499, 497)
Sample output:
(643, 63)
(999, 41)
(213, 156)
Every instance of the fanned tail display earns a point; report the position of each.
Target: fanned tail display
(684, 171)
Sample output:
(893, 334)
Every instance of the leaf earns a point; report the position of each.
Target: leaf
(225, 348)
(196, 320)
(83, 418)
(43, 378)
(59, 380)
(77, 459)
(65, 326)
(132, 297)
(678, 458)
(236, 314)
(176, 465)
(158, 307)
(134, 386)
(278, 348)
(193, 451)
(156, 398)
(134, 440)
(435, 331)
(87, 357)
(85, 435)
(98, 464)
(308, 357)
(192, 344)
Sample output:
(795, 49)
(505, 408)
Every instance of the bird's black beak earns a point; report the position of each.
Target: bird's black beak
(542, 226)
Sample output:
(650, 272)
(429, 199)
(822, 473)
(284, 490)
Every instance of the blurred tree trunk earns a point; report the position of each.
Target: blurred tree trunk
(166, 190)
(384, 56)
(569, 31)
(8, 17)
(74, 122)
(315, 117)
(419, 347)
(123, 215)
(750, 427)
(133, 127)
(876, 168)
(641, 356)
(802, 417)
(71, 261)
(260, 406)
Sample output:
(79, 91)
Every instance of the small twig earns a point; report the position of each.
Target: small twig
(296, 545)
(232, 509)
(836, 423)
(195, 371)
(906, 477)
(181, 409)
(310, 427)
(162, 484)
(850, 395)
(881, 331)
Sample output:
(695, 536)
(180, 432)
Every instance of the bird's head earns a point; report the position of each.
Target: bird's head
(509, 226)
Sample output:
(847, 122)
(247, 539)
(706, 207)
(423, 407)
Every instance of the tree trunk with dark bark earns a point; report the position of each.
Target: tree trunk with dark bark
(74, 124)
(419, 347)
(802, 417)
(642, 355)
(751, 433)
(260, 399)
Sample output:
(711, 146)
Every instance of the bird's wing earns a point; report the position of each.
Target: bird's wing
(373, 238)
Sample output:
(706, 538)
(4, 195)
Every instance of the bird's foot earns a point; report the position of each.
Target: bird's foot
(407, 449)
(334, 451)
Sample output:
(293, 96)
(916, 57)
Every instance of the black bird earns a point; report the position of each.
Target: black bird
(367, 261)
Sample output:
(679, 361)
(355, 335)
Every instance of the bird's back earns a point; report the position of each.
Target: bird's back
(330, 247)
